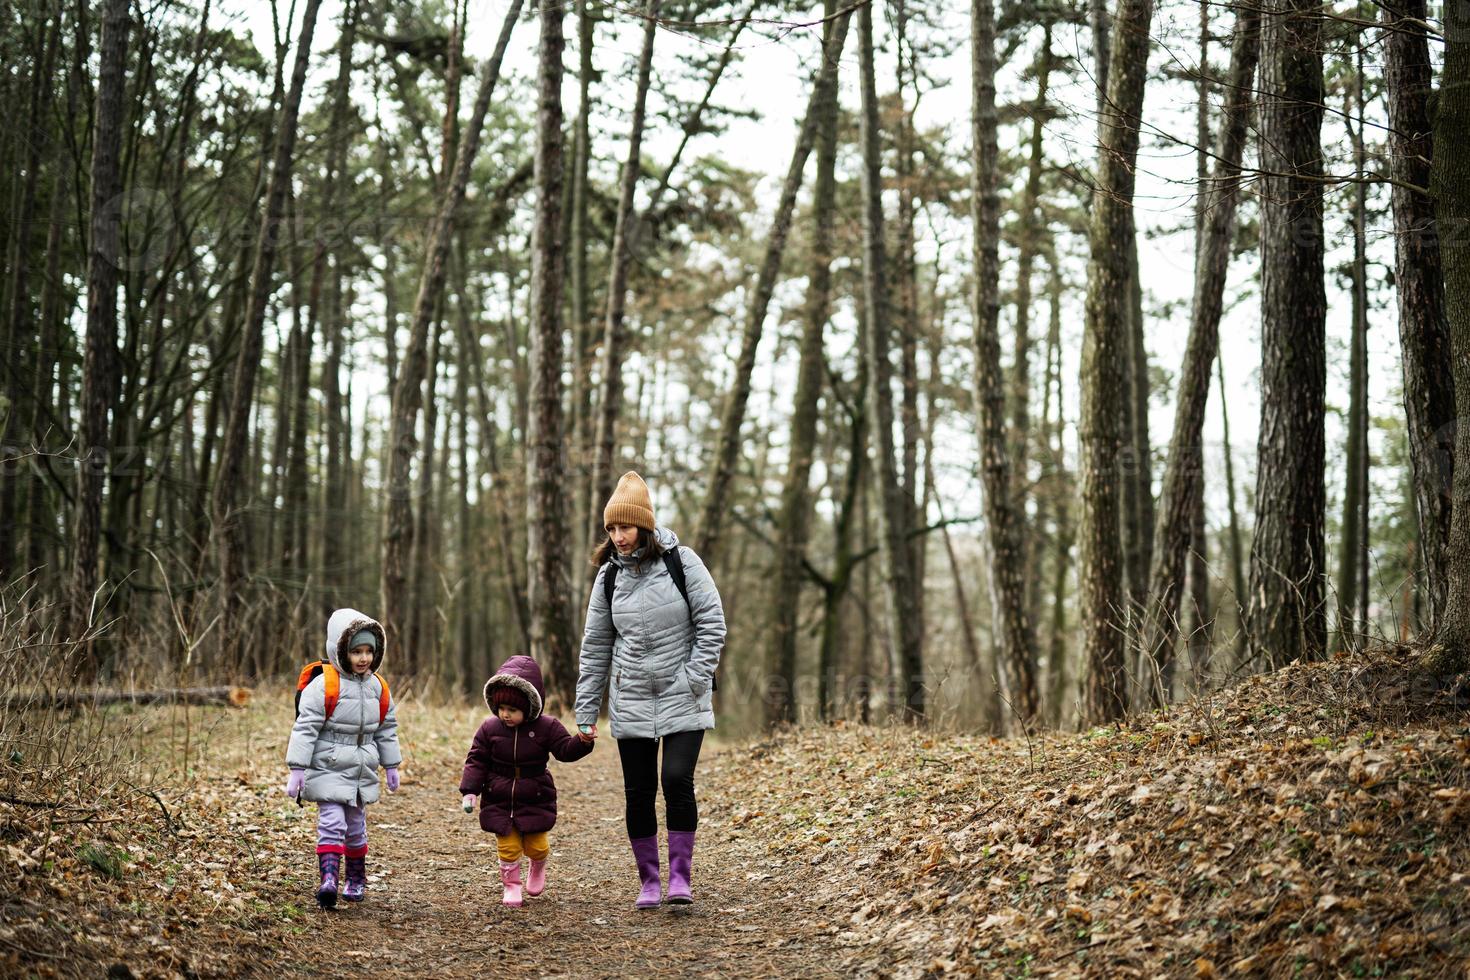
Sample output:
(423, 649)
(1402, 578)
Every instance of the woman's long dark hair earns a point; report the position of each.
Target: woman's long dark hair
(647, 540)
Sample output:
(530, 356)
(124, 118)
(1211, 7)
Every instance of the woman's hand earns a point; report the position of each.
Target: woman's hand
(587, 733)
(468, 803)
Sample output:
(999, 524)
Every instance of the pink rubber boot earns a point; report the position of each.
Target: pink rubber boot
(536, 881)
(510, 877)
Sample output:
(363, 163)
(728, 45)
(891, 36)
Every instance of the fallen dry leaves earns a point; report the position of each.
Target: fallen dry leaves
(1313, 821)
(134, 857)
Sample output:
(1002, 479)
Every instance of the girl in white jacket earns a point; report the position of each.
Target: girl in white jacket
(345, 729)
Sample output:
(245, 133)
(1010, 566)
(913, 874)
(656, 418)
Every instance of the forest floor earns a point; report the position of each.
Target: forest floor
(1310, 822)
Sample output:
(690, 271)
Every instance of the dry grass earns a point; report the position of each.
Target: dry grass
(1311, 821)
(150, 839)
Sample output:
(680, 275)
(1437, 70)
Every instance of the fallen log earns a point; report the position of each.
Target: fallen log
(232, 697)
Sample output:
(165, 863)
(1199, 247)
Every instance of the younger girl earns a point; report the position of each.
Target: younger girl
(506, 769)
(336, 747)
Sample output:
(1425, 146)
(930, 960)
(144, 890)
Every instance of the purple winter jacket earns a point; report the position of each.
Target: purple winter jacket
(507, 767)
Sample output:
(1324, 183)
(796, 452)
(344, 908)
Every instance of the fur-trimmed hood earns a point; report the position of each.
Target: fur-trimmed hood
(342, 626)
(523, 674)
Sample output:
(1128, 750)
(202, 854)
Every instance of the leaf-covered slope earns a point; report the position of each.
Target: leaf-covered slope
(1312, 821)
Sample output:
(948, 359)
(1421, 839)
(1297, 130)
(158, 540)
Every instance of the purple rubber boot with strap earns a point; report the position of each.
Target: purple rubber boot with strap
(331, 869)
(645, 852)
(681, 860)
(356, 884)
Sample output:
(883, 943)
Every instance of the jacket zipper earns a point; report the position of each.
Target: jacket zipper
(361, 731)
(515, 741)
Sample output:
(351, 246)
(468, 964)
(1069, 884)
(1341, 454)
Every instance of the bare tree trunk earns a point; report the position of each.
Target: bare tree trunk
(294, 495)
(1184, 472)
(581, 427)
(1354, 548)
(1287, 618)
(421, 584)
(285, 377)
(1450, 188)
(20, 332)
(1201, 619)
(1058, 500)
(908, 684)
(1138, 490)
(466, 602)
(1015, 636)
(546, 527)
(727, 454)
(907, 289)
(1236, 540)
(794, 522)
(1424, 342)
(1102, 55)
(334, 496)
(1031, 231)
(40, 548)
(614, 336)
(407, 389)
(1061, 679)
(99, 368)
(229, 527)
(837, 594)
(1104, 346)
(865, 672)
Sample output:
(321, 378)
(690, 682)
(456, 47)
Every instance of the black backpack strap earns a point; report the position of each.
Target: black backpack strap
(675, 565)
(609, 582)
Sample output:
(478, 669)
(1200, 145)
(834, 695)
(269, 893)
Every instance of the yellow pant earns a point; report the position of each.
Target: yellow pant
(535, 846)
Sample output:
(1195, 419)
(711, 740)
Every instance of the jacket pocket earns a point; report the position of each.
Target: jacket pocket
(695, 690)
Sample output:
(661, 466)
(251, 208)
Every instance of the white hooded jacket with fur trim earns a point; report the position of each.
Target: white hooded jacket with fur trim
(341, 754)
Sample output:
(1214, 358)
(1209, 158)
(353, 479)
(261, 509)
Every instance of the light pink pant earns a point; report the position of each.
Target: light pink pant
(341, 829)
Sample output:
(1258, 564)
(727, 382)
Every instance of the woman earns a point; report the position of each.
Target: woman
(659, 645)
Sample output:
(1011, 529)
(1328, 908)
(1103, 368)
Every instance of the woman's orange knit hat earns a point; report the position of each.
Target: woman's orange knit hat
(630, 504)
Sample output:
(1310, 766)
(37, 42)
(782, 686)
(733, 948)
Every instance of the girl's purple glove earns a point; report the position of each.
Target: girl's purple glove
(296, 782)
(468, 803)
(392, 780)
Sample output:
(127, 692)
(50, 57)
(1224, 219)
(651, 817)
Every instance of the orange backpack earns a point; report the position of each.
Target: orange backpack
(333, 687)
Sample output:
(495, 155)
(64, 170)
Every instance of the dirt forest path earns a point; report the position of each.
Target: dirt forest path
(435, 910)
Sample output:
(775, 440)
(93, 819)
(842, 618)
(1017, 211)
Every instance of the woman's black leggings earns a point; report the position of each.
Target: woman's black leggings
(641, 782)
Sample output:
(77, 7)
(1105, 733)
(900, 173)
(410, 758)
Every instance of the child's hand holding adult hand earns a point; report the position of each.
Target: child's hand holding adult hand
(392, 775)
(468, 803)
(587, 733)
(296, 782)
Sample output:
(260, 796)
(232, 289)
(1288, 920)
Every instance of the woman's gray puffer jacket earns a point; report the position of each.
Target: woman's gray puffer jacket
(341, 754)
(659, 654)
